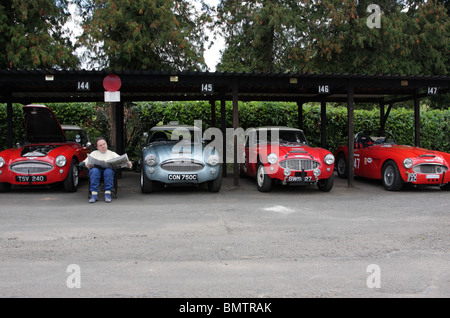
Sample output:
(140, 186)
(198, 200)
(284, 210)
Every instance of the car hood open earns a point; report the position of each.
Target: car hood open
(41, 125)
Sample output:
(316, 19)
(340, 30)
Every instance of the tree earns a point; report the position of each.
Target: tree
(334, 36)
(412, 38)
(143, 35)
(32, 35)
(264, 36)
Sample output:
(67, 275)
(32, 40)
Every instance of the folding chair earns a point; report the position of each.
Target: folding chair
(117, 173)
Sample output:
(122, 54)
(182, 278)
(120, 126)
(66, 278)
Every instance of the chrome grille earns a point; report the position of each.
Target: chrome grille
(31, 167)
(429, 168)
(299, 164)
(180, 166)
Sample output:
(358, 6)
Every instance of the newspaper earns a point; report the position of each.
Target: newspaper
(115, 163)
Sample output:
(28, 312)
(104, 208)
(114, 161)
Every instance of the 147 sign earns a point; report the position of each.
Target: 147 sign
(432, 91)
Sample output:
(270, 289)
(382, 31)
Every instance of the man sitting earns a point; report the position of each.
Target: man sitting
(96, 173)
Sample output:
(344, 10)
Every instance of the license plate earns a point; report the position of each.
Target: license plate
(182, 177)
(299, 179)
(31, 178)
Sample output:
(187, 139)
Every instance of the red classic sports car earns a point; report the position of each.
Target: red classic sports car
(45, 158)
(282, 154)
(381, 158)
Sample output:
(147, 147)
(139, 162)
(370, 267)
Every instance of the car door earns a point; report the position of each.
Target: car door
(357, 156)
(362, 156)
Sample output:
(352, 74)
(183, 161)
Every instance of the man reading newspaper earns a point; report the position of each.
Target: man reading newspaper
(101, 163)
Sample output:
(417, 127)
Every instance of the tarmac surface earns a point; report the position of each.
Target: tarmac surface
(292, 242)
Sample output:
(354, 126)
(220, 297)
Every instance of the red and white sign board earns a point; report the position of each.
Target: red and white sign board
(112, 84)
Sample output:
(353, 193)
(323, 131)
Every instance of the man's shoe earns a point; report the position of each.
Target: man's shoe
(107, 197)
(93, 199)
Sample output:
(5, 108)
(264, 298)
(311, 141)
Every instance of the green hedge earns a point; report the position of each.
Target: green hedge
(435, 128)
(140, 117)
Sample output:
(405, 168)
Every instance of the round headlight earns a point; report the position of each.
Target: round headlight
(329, 159)
(213, 160)
(407, 163)
(60, 161)
(2, 162)
(272, 158)
(150, 160)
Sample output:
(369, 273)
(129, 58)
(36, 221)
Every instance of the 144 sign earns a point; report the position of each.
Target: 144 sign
(83, 86)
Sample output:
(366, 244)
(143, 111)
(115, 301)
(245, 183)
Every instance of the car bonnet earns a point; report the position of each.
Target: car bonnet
(41, 125)
(176, 150)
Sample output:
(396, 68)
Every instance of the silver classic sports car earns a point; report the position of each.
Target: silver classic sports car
(176, 154)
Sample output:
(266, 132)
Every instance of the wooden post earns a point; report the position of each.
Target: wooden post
(323, 123)
(416, 119)
(119, 130)
(223, 120)
(351, 147)
(213, 112)
(300, 115)
(9, 124)
(382, 122)
(235, 127)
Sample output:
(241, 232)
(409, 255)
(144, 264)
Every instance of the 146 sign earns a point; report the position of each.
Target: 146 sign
(324, 89)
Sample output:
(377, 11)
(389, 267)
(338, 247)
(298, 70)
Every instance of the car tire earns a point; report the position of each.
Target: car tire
(5, 187)
(263, 181)
(325, 185)
(390, 176)
(445, 187)
(146, 184)
(342, 166)
(72, 179)
(216, 184)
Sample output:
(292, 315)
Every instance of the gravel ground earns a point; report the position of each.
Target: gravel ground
(186, 242)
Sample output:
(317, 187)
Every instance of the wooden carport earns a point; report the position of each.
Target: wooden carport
(41, 86)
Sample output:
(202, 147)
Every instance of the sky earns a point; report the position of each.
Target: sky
(212, 54)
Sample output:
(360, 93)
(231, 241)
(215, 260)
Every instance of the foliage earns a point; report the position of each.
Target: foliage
(140, 117)
(413, 38)
(146, 34)
(333, 36)
(264, 36)
(32, 35)
(18, 125)
(435, 128)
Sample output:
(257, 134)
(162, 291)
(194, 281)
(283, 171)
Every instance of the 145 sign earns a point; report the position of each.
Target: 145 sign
(207, 88)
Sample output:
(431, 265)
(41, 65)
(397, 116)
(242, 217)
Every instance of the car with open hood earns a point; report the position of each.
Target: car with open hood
(283, 155)
(176, 154)
(380, 157)
(46, 157)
